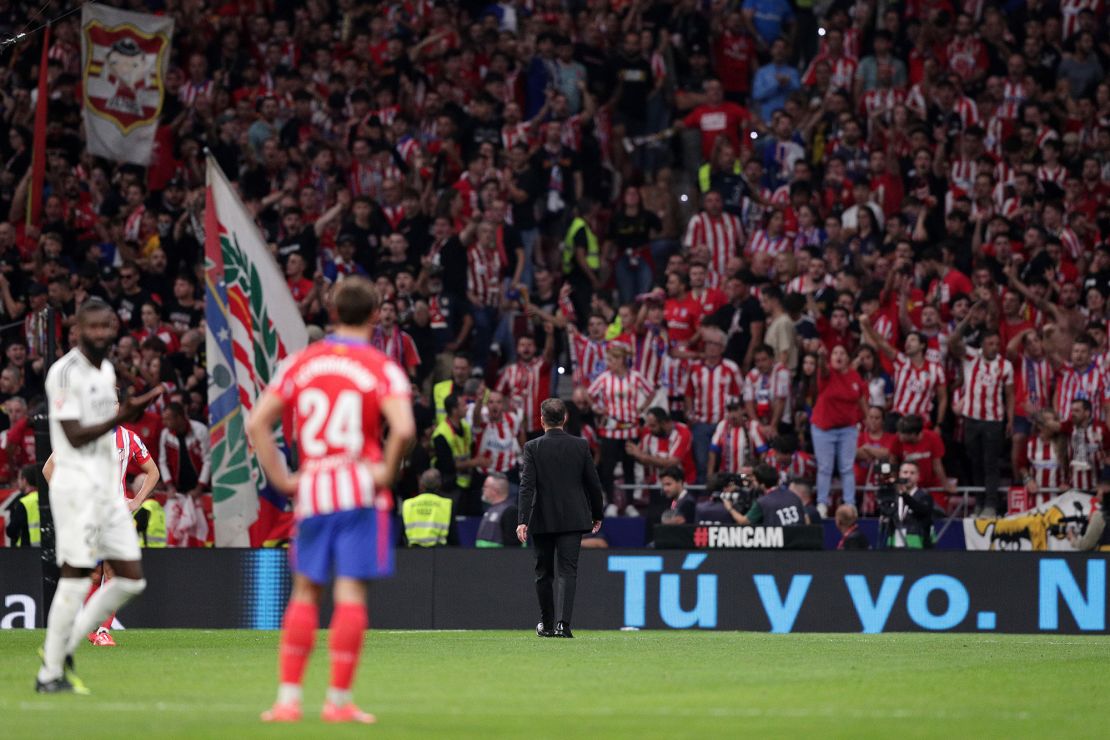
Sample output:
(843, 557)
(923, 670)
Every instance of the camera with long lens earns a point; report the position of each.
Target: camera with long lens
(739, 489)
(887, 495)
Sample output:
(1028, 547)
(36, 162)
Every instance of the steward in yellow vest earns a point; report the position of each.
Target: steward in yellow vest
(428, 517)
(150, 521)
(452, 440)
(460, 372)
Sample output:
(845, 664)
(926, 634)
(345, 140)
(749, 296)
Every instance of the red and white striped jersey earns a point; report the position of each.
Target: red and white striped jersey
(711, 388)
(131, 450)
(679, 443)
(1044, 462)
(984, 380)
(723, 235)
(501, 441)
(407, 147)
(800, 465)
(674, 374)
(1014, 94)
(881, 100)
(761, 391)
(1073, 248)
(190, 91)
(764, 242)
(397, 345)
(620, 398)
(1090, 384)
(526, 385)
(965, 56)
(335, 389)
(915, 387)
(588, 358)
(520, 133)
(804, 284)
(483, 274)
(1004, 174)
(843, 70)
(962, 173)
(731, 445)
(1070, 10)
(1086, 453)
(1055, 175)
(649, 353)
(1032, 385)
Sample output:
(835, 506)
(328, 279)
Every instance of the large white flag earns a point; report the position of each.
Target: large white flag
(124, 57)
(253, 323)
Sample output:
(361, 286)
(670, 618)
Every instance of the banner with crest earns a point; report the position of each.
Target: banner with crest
(124, 57)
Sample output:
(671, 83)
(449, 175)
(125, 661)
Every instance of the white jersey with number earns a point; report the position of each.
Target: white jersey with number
(78, 391)
(91, 520)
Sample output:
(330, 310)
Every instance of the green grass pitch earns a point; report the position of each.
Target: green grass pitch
(193, 683)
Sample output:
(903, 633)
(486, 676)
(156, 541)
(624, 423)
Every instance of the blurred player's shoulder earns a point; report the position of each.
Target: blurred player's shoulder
(360, 363)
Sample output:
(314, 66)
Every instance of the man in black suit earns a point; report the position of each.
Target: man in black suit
(560, 500)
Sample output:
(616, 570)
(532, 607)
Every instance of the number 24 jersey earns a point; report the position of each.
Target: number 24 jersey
(335, 389)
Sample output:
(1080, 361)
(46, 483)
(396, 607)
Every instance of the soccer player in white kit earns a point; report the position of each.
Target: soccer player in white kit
(91, 520)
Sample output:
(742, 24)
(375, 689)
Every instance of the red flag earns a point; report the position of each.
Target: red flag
(38, 155)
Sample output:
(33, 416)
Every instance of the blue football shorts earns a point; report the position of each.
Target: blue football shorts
(353, 544)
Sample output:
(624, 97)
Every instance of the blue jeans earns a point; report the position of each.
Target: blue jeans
(702, 435)
(485, 323)
(529, 237)
(835, 450)
(632, 279)
(661, 251)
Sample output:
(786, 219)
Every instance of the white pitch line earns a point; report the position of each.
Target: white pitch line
(661, 712)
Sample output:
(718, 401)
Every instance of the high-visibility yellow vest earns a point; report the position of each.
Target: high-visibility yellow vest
(460, 447)
(705, 175)
(34, 524)
(440, 392)
(427, 519)
(593, 248)
(155, 525)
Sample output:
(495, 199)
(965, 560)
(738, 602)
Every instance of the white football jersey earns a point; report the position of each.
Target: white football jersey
(75, 390)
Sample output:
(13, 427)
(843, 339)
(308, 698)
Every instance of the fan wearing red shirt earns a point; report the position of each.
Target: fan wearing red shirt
(875, 444)
(151, 315)
(303, 289)
(925, 448)
(681, 311)
(734, 55)
(716, 117)
(946, 280)
(841, 405)
(710, 299)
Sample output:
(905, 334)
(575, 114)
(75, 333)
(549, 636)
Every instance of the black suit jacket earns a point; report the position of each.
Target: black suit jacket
(559, 487)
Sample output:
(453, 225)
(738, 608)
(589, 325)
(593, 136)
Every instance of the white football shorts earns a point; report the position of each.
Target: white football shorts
(91, 522)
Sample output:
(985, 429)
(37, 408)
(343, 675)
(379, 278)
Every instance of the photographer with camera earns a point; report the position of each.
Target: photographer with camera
(1097, 535)
(777, 506)
(905, 508)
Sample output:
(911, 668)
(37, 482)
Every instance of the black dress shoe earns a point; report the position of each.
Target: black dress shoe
(562, 629)
(542, 631)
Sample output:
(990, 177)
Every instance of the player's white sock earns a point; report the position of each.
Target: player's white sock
(339, 697)
(289, 693)
(59, 623)
(107, 600)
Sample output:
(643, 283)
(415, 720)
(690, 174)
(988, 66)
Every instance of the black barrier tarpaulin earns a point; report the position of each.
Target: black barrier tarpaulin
(737, 537)
(763, 591)
(21, 588)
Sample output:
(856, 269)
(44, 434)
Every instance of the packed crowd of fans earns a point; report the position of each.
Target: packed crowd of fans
(816, 235)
